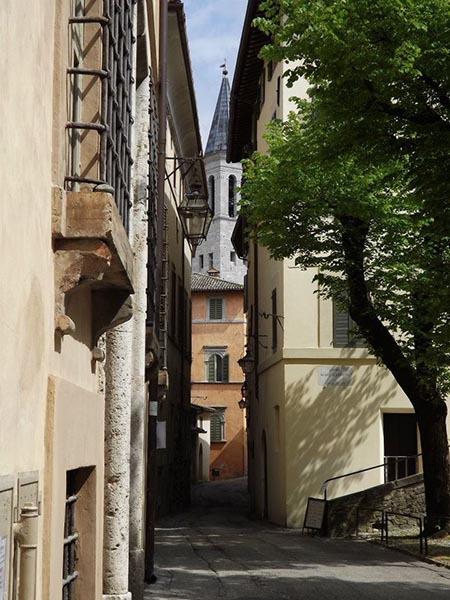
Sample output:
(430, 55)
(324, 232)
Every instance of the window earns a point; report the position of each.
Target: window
(201, 261)
(215, 309)
(269, 70)
(233, 257)
(211, 260)
(345, 331)
(218, 367)
(78, 569)
(278, 90)
(274, 320)
(218, 425)
(232, 196)
(212, 193)
(99, 132)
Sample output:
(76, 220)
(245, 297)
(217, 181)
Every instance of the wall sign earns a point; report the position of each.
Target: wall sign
(315, 512)
(334, 375)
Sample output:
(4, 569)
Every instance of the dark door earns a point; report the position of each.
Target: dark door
(400, 445)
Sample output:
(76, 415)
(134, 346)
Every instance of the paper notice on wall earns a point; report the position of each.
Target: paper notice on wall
(160, 436)
(3, 548)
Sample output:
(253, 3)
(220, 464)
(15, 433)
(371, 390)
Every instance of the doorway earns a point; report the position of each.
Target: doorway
(400, 445)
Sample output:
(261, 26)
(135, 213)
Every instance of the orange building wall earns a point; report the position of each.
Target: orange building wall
(229, 456)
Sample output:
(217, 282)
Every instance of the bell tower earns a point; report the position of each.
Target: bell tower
(216, 255)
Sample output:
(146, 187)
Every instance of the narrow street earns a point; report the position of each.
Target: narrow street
(215, 551)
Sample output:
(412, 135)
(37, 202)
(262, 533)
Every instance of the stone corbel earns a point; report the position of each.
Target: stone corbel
(91, 249)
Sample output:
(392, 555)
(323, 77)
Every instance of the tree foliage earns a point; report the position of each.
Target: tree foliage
(370, 147)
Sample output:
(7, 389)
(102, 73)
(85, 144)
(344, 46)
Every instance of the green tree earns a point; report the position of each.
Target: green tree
(356, 183)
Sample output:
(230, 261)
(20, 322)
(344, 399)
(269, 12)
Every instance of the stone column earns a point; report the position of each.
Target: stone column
(138, 398)
(117, 462)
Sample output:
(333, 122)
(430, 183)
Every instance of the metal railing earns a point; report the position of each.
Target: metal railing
(384, 465)
(398, 467)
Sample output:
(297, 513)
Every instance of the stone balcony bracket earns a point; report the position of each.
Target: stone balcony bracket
(91, 249)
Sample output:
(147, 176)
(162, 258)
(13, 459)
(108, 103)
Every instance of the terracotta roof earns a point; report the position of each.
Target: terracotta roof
(206, 283)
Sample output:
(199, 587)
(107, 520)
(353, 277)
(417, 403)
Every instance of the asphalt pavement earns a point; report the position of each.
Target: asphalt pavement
(215, 550)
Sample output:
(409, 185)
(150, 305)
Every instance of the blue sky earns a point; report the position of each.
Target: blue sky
(214, 32)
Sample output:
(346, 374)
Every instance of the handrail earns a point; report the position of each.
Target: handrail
(323, 487)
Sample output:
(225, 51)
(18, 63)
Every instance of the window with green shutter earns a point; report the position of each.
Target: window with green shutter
(218, 368)
(345, 330)
(215, 309)
(218, 425)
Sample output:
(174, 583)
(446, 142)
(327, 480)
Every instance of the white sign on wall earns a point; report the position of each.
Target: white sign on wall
(334, 375)
(160, 435)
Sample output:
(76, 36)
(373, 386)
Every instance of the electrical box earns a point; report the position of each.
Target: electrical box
(7, 485)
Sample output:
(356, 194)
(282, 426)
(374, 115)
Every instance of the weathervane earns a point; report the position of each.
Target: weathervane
(224, 67)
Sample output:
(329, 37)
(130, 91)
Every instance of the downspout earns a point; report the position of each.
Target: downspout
(151, 455)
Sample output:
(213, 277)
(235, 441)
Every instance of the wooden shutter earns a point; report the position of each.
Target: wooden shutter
(345, 330)
(212, 368)
(226, 368)
(215, 309)
(340, 327)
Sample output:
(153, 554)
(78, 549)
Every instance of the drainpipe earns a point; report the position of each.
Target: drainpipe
(162, 124)
(26, 536)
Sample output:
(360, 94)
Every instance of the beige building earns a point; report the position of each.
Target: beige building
(320, 407)
(218, 330)
(79, 179)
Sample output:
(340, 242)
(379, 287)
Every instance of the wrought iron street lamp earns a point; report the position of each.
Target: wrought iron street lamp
(196, 217)
(247, 363)
(242, 403)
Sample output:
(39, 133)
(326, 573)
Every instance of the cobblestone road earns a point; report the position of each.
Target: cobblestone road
(214, 551)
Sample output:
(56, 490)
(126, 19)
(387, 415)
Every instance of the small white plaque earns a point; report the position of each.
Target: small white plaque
(160, 435)
(334, 375)
(153, 408)
(3, 542)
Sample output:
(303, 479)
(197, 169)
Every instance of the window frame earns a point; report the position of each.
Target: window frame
(219, 415)
(211, 300)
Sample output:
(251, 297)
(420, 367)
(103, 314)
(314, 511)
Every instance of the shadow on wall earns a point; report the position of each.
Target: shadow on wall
(333, 431)
(230, 460)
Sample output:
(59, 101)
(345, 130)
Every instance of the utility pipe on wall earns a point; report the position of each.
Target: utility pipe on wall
(26, 536)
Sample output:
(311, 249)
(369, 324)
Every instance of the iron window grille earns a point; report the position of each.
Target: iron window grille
(114, 121)
(70, 574)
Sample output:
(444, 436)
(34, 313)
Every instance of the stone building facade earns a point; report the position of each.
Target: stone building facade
(218, 327)
(80, 188)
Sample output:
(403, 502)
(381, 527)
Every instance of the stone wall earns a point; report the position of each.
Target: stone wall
(361, 512)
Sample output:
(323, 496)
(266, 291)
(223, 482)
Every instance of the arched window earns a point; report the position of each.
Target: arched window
(231, 196)
(212, 193)
(218, 368)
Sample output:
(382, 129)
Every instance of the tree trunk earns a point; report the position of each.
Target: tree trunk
(415, 380)
(431, 418)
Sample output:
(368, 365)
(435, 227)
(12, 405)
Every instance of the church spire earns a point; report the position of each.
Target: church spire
(217, 139)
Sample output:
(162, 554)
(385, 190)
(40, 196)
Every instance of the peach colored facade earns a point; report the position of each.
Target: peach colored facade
(229, 455)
